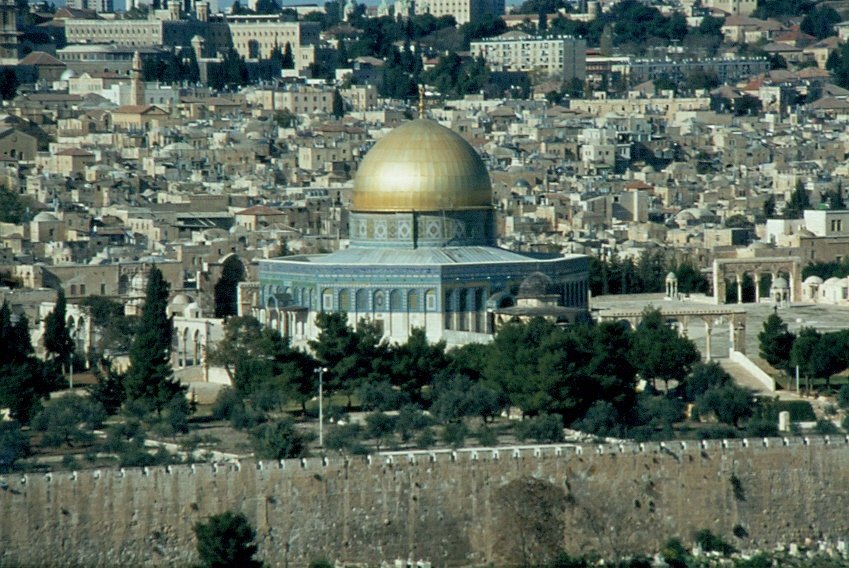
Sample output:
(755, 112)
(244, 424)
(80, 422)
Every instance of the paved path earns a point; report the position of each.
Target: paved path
(746, 380)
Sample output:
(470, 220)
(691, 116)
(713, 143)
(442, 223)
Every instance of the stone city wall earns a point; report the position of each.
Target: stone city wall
(470, 507)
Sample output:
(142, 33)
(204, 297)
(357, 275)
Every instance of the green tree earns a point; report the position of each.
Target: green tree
(8, 83)
(114, 329)
(149, 379)
(704, 377)
(799, 201)
(288, 60)
(338, 104)
(769, 207)
(353, 358)
(226, 540)
(226, 289)
(262, 365)
(819, 356)
(380, 427)
(109, 390)
(776, 342)
(659, 353)
(279, 440)
(820, 22)
(14, 444)
(69, 420)
(833, 199)
(23, 380)
(57, 338)
(15, 208)
(729, 403)
(416, 363)
(690, 279)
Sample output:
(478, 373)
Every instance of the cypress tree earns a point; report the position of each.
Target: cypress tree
(22, 379)
(57, 338)
(149, 378)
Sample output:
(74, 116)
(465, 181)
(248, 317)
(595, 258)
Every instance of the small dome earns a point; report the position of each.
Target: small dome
(192, 310)
(421, 166)
(833, 281)
(671, 277)
(536, 285)
(813, 280)
(779, 284)
(67, 74)
(45, 217)
(181, 299)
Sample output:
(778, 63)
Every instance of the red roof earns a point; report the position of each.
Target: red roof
(41, 58)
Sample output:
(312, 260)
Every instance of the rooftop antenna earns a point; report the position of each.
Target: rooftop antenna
(421, 101)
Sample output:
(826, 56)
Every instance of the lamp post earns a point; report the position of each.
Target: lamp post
(320, 371)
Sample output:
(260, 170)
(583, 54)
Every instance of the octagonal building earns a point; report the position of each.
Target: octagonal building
(422, 252)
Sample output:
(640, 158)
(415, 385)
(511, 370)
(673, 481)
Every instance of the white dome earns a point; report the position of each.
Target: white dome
(813, 280)
(45, 217)
(192, 310)
(780, 283)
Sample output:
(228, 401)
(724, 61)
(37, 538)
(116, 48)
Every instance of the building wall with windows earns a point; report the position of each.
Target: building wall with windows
(565, 57)
(463, 11)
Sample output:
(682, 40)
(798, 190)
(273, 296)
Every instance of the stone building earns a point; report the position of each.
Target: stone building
(422, 251)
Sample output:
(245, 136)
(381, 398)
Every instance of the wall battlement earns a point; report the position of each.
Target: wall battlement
(461, 507)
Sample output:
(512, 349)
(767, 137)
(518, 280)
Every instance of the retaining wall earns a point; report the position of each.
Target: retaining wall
(470, 507)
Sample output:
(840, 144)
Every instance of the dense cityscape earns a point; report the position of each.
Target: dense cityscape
(424, 283)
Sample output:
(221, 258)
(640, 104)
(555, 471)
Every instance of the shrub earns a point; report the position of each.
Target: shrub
(226, 540)
(227, 401)
(710, 542)
(545, 428)
(279, 440)
(454, 434)
(426, 438)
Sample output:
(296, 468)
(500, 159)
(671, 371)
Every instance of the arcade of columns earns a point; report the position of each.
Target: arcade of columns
(682, 317)
(755, 267)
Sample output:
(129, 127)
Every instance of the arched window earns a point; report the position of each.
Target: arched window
(379, 301)
(413, 300)
(430, 300)
(395, 303)
(327, 299)
(362, 300)
(345, 301)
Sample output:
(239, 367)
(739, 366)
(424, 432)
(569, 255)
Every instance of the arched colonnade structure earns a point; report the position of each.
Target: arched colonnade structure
(681, 319)
(736, 269)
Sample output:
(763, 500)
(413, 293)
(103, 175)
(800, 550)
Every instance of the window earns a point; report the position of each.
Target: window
(345, 301)
(362, 300)
(430, 300)
(395, 303)
(327, 299)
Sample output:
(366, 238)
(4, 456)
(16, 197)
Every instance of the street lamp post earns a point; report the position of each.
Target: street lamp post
(320, 372)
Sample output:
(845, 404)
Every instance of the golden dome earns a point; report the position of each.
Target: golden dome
(422, 166)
